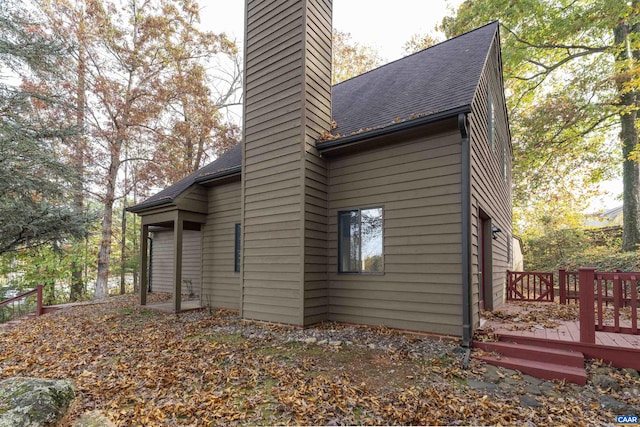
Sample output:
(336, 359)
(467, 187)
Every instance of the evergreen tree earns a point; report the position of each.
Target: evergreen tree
(35, 182)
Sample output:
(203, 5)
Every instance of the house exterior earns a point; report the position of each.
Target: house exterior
(383, 200)
(161, 261)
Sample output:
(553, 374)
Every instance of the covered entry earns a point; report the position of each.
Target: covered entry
(182, 277)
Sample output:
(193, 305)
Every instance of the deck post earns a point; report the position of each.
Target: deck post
(562, 283)
(39, 310)
(178, 226)
(586, 278)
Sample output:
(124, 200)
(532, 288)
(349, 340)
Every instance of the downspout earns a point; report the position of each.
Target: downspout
(150, 272)
(467, 327)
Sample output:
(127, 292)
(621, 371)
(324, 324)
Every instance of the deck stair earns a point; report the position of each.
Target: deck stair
(537, 361)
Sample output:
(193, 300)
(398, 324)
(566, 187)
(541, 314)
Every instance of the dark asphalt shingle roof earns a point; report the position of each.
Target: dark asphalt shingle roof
(229, 161)
(438, 79)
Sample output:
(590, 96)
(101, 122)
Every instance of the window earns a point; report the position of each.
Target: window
(236, 259)
(360, 241)
(504, 159)
(491, 119)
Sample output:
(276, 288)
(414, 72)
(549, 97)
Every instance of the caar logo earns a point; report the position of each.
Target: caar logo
(627, 420)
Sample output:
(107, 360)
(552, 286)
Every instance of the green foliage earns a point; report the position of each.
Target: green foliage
(571, 248)
(36, 184)
(562, 80)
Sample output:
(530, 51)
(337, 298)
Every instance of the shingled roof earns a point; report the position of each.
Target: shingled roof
(227, 163)
(434, 81)
(441, 78)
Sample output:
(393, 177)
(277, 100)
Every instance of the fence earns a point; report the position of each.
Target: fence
(530, 286)
(21, 305)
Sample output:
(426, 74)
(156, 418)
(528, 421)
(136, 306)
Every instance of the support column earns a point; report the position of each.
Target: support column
(144, 262)
(178, 225)
(586, 279)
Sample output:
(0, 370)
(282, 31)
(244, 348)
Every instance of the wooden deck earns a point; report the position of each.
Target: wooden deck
(533, 323)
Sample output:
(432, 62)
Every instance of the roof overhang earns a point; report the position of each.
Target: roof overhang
(227, 173)
(354, 139)
(151, 205)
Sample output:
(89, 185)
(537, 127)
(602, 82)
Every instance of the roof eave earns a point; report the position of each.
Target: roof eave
(219, 175)
(144, 206)
(326, 146)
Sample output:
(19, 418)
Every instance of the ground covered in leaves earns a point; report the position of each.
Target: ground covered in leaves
(142, 367)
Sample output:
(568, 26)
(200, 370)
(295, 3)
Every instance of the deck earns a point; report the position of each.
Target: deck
(557, 326)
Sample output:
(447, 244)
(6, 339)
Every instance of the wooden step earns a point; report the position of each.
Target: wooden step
(532, 352)
(544, 370)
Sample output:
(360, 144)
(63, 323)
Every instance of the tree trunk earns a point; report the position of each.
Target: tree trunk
(629, 139)
(104, 255)
(123, 249)
(77, 283)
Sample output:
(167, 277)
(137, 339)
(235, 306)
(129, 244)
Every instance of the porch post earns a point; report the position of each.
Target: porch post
(178, 224)
(562, 283)
(586, 278)
(144, 260)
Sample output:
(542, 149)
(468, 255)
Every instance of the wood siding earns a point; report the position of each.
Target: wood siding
(162, 261)
(220, 284)
(418, 184)
(490, 190)
(194, 199)
(287, 106)
(317, 120)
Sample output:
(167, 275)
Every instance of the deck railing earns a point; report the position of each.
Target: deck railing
(568, 288)
(530, 286)
(597, 291)
(19, 306)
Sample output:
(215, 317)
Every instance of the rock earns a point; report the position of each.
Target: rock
(548, 389)
(492, 374)
(311, 340)
(371, 346)
(630, 372)
(632, 391)
(605, 381)
(608, 402)
(529, 402)
(30, 402)
(532, 389)
(93, 419)
(603, 370)
(322, 342)
(335, 343)
(509, 372)
(481, 385)
(512, 381)
(532, 380)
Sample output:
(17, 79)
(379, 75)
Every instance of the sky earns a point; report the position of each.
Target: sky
(370, 22)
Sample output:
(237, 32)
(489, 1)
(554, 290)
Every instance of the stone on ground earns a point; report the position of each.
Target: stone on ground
(31, 402)
(93, 419)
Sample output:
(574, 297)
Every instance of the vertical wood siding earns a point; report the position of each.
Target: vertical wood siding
(220, 284)
(287, 86)
(418, 184)
(490, 191)
(162, 260)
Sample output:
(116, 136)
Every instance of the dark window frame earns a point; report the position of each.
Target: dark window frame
(491, 119)
(359, 270)
(237, 247)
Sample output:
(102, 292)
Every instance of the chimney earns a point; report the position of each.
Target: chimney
(287, 106)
